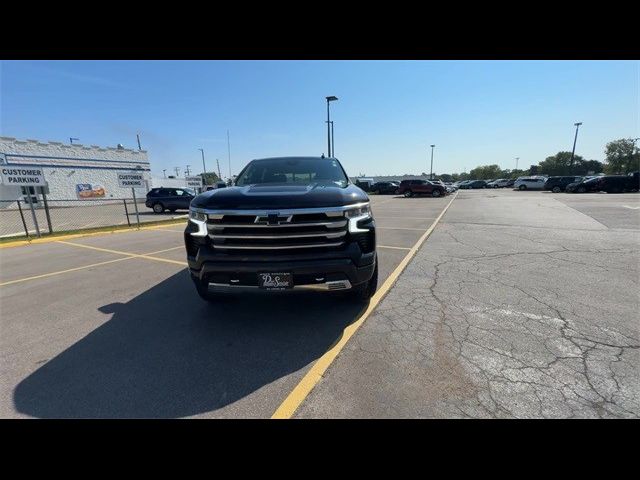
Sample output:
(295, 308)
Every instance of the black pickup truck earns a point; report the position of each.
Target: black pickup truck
(287, 224)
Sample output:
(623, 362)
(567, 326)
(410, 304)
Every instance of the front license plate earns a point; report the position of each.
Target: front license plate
(275, 281)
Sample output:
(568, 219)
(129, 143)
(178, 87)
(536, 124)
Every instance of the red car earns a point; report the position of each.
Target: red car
(409, 188)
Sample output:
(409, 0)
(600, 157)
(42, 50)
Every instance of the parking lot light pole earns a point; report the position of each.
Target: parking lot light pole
(431, 172)
(204, 169)
(573, 152)
(517, 158)
(329, 100)
(333, 142)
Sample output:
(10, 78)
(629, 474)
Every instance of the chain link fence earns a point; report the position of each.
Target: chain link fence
(17, 220)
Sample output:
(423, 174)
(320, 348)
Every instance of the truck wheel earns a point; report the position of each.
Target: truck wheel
(362, 293)
(435, 193)
(158, 208)
(203, 291)
(408, 194)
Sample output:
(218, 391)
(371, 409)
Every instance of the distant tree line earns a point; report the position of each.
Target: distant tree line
(621, 157)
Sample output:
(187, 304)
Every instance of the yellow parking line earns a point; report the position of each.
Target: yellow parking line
(396, 248)
(128, 256)
(35, 277)
(118, 252)
(408, 218)
(399, 228)
(99, 249)
(290, 404)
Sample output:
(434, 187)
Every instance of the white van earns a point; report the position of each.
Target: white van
(529, 183)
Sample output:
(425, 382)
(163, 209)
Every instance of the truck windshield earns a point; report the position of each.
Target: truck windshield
(298, 171)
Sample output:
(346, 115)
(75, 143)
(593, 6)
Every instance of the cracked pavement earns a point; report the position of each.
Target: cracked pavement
(519, 305)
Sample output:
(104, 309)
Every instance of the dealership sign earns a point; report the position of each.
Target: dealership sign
(194, 182)
(130, 180)
(22, 176)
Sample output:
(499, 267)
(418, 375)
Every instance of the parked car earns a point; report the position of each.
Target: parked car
(558, 184)
(172, 199)
(499, 183)
(364, 183)
(383, 188)
(275, 232)
(473, 184)
(606, 183)
(450, 187)
(219, 184)
(529, 183)
(409, 188)
(633, 180)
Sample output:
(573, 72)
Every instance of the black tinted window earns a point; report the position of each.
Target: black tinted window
(301, 171)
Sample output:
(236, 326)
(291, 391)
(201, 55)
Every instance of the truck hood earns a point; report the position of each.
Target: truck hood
(279, 196)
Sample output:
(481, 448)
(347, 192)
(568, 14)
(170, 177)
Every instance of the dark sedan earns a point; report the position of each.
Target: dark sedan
(385, 188)
(558, 184)
(474, 184)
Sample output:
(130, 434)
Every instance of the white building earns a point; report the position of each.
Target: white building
(73, 172)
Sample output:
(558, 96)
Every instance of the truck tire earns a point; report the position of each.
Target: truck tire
(363, 293)
(203, 291)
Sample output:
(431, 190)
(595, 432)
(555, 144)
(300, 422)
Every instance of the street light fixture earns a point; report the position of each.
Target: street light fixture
(573, 152)
(329, 100)
(71, 139)
(431, 172)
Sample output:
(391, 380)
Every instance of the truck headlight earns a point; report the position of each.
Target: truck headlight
(200, 219)
(356, 214)
(196, 215)
(362, 211)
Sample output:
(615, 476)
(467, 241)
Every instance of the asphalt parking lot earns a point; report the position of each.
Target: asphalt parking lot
(111, 326)
(520, 304)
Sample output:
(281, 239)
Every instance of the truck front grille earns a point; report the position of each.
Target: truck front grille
(277, 231)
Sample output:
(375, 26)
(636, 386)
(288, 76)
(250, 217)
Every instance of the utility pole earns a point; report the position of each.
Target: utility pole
(164, 172)
(138, 137)
(218, 163)
(188, 171)
(517, 158)
(177, 170)
(573, 152)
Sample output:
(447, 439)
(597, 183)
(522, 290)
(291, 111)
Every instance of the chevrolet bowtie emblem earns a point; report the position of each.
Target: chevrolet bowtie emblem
(273, 218)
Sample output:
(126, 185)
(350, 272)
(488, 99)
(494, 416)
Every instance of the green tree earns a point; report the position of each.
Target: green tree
(559, 164)
(622, 156)
(587, 167)
(209, 178)
(485, 172)
(445, 177)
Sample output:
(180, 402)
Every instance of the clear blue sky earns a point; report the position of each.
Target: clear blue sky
(388, 113)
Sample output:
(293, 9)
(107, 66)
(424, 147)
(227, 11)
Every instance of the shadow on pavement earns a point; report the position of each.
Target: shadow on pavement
(166, 353)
